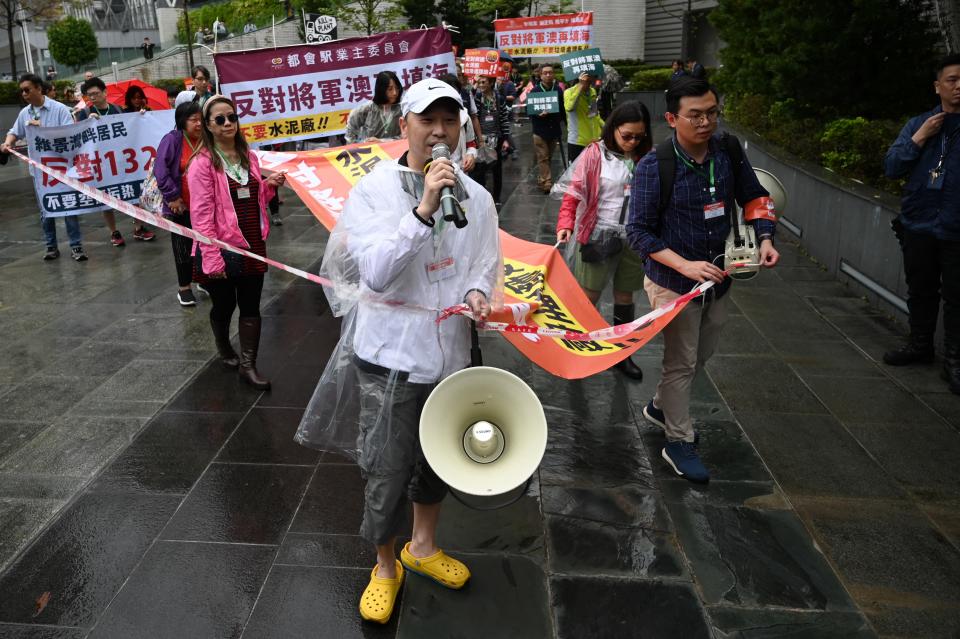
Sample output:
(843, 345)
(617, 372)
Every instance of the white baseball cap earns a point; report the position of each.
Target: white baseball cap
(421, 95)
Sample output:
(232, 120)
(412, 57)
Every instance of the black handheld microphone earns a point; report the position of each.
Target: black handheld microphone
(452, 211)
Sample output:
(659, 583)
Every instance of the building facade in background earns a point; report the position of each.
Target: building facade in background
(678, 29)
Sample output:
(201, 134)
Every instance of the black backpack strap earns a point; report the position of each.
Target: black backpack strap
(667, 170)
(731, 144)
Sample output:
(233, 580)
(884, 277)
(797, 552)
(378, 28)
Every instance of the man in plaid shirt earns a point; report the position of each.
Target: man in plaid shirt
(684, 245)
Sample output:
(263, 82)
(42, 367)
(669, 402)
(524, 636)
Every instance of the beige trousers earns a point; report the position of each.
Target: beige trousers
(689, 341)
(544, 153)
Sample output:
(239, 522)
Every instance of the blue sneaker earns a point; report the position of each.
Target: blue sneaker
(683, 457)
(655, 416)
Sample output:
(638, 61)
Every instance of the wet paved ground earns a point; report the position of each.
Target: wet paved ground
(145, 493)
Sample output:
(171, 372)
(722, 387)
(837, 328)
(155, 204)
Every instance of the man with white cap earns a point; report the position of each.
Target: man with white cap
(396, 263)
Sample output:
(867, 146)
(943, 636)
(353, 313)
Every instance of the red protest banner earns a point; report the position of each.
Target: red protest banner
(306, 91)
(536, 277)
(544, 36)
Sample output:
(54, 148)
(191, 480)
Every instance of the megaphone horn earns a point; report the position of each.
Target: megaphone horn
(483, 432)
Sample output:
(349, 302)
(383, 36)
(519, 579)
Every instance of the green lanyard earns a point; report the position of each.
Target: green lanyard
(34, 115)
(386, 119)
(105, 112)
(190, 144)
(233, 170)
(711, 178)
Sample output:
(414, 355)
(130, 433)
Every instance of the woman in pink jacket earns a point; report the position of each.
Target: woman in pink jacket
(230, 204)
(596, 194)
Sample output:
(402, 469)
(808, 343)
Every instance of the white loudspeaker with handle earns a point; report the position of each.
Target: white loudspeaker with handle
(484, 433)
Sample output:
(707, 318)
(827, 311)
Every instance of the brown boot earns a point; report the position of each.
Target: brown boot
(221, 335)
(249, 345)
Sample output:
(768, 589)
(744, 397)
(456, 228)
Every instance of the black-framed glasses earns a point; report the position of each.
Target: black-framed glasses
(702, 118)
(630, 137)
(26, 89)
(222, 119)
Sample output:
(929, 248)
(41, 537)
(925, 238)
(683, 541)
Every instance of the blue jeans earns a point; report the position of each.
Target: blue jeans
(72, 223)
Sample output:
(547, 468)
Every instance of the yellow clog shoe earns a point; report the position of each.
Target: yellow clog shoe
(378, 598)
(439, 566)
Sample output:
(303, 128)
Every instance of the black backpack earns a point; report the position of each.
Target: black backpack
(667, 166)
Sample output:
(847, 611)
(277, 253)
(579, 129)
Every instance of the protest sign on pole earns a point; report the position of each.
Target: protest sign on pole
(578, 62)
(306, 91)
(319, 28)
(543, 102)
(111, 154)
(544, 36)
(484, 62)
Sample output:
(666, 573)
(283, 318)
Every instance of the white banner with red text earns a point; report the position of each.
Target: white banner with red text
(544, 36)
(306, 91)
(111, 154)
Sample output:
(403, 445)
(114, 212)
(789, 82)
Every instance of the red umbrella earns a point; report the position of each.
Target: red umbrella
(156, 98)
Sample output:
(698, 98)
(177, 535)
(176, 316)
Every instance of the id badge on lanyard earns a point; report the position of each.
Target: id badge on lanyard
(243, 193)
(712, 210)
(441, 269)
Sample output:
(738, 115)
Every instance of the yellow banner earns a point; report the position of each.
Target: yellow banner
(284, 128)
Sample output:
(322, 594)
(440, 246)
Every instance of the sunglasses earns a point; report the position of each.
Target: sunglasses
(26, 89)
(222, 119)
(630, 137)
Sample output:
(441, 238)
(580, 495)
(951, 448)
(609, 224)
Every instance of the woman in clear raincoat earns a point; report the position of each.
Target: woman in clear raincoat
(596, 194)
(394, 264)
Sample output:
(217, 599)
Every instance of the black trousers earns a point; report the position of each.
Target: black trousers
(574, 151)
(932, 268)
(181, 251)
(229, 293)
(479, 175)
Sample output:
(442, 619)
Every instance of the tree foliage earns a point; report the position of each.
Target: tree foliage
(365, 16)
(865, 57)
(72, 42)
(235, 14)
(12, 11)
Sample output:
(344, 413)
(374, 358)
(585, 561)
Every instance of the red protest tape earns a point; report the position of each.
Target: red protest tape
(518, 311)
(162, 222)
(611, 332)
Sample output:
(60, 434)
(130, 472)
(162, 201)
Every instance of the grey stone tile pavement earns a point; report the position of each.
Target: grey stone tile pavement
(140, 484)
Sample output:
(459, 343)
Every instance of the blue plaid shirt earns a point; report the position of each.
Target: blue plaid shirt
(683, 227)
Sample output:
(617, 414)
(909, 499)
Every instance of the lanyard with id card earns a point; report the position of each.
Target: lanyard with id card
(714, 209)
(937, 174)
(441, 267)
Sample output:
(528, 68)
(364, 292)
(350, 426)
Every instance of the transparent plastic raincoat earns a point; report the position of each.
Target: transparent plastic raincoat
(392, 275)
(585, 183)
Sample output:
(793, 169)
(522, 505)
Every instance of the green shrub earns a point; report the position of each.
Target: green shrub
(10, 93)
(169, 83)
(855, 148)
(628, 68)
(650, 80)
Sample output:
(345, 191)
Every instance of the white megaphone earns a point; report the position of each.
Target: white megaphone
(483, 432)
(773, 185)
(742, 251)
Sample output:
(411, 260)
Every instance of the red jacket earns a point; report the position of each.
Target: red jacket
(586, 182)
